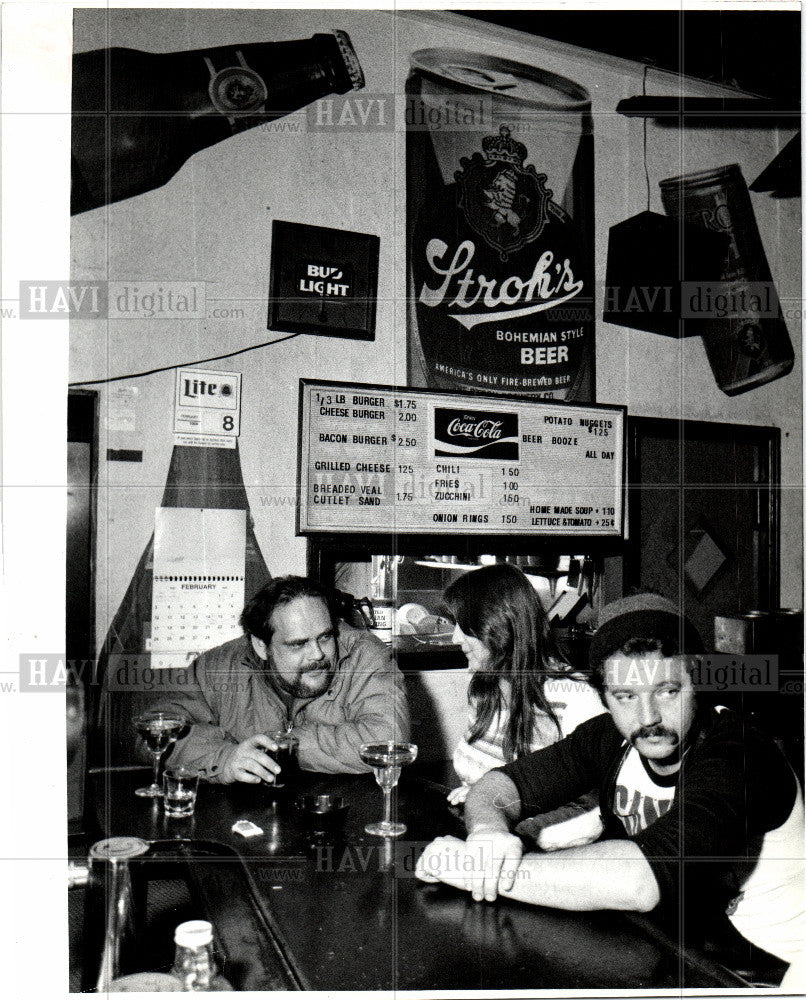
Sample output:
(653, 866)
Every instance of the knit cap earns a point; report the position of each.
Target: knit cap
(642, 616)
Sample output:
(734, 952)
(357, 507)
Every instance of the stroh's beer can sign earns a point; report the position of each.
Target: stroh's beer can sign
(499, 227)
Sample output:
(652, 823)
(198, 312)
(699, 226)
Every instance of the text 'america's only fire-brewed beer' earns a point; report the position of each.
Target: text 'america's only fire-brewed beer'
(499, 227)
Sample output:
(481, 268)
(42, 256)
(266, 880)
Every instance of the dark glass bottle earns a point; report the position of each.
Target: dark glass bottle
(138, 116)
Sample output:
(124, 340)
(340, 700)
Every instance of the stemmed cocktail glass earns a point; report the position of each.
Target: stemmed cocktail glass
(386, 760)
(158, 730)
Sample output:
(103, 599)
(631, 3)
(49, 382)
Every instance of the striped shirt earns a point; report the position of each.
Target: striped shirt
(573, 701)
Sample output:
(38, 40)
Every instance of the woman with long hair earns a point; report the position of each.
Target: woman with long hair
(522, 695)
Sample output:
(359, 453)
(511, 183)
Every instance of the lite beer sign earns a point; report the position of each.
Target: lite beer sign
(324, 281)
(207, 408)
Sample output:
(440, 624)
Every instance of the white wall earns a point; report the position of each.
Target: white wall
(212, 223)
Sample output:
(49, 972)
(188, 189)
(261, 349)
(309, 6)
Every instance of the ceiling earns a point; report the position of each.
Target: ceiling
(757, 52)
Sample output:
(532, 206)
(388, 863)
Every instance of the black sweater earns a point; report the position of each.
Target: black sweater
(733, 786)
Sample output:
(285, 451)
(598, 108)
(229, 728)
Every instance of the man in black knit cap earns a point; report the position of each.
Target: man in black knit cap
(698, 807)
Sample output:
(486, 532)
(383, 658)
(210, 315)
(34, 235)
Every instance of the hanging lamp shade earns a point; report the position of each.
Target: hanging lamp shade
(654, 265)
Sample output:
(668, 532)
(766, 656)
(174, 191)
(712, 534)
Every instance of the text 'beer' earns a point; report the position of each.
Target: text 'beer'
(499, 227)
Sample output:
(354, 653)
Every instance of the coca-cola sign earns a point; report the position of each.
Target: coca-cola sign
(475, 434)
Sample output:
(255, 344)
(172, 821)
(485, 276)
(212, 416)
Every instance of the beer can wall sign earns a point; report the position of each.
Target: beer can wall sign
(499, 184)
(745, 336)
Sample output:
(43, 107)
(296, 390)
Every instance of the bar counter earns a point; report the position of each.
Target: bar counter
(293, 910)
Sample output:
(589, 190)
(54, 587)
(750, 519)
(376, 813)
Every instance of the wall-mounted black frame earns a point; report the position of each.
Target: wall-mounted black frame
(324, 282)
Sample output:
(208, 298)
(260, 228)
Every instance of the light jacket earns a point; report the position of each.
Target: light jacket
(229, 697)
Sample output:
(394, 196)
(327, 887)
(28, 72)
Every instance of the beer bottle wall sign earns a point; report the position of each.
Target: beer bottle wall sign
(499, 200)
(138, 116)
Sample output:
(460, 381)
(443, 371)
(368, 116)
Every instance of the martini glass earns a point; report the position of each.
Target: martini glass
(386, 760)
(158, 730)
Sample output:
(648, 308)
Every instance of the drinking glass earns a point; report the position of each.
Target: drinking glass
(386, 760)
(158, 730)
(180, 786)
(286, 756)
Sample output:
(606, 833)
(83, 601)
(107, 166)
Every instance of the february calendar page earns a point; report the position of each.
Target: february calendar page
(198, 594)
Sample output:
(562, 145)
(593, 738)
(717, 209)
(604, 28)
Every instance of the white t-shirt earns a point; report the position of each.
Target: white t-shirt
(640, 796)
(769, 910)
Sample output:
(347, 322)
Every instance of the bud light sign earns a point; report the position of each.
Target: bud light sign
(475, 434)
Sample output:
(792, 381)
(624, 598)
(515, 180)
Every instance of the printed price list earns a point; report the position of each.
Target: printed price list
(377, 459)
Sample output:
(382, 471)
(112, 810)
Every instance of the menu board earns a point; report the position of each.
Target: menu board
(395, 460)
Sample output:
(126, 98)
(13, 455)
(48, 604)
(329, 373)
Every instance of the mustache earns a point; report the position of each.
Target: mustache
(644, 732)
(329, 663)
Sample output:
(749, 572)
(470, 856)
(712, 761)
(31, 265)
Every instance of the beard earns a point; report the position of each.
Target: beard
(310, 681)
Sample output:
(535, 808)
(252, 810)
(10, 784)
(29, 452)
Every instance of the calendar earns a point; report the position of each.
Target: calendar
(198, 592)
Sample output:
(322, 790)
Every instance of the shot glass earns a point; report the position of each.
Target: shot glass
(180, 787)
